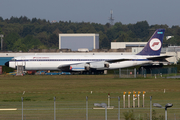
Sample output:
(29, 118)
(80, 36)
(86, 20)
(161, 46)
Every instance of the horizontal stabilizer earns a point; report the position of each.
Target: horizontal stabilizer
(159, 57)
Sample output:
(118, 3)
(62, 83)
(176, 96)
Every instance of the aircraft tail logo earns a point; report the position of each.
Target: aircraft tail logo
(155, 44)
(153, 47)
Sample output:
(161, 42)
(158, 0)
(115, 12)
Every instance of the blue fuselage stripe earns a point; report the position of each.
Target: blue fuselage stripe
(45, 60)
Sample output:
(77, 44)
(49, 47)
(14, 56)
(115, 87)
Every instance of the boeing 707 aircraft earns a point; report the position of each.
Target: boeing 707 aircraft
(72, 63)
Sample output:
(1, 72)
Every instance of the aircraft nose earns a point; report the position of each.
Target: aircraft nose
(7, 64)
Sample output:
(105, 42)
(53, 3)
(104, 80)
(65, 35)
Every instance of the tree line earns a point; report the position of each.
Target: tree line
(23, 33)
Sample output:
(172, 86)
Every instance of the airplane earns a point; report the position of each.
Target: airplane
(90, 62)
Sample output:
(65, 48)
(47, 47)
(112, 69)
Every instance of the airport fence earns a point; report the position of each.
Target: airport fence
(145, 72)
(84, 109)
(125, 73)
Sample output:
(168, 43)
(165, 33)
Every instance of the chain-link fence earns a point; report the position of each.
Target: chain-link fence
(125, 73)
(84, 109)
(145, 72)
(157, 72)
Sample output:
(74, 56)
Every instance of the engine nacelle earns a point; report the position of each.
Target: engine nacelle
(79, 67)
(99, 65)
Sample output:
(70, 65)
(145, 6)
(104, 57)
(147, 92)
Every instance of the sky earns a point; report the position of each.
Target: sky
(96, 11)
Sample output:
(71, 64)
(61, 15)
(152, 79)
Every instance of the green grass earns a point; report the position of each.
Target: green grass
(71, 92)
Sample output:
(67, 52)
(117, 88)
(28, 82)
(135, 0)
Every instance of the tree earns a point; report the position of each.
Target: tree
(1, 19)
(31, 42)
(57, 32)
(141, 29)
(10, 39)
(91, 30)
(103, 41)
(43, 37)
(1, 32)
(42, 47)
(47, 33)
(27, 29)
(70, 31)
(53, 41)
(123, 37)
(34, 20)
(19, 46)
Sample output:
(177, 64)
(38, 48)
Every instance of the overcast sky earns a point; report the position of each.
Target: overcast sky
(97, 11)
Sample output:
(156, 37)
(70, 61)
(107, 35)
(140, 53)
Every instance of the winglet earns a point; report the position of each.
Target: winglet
(153, 47)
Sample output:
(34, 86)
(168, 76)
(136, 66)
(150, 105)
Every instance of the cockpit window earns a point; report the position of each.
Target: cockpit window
(13, 59)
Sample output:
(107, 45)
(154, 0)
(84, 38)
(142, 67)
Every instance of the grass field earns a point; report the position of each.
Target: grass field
(71, 92)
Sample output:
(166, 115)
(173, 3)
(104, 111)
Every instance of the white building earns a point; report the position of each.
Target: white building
(122, 45)
(76, 41)
(136, 47)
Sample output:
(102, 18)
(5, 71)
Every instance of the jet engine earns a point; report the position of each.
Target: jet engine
(99, 65)
(79, 67)
(85, 66)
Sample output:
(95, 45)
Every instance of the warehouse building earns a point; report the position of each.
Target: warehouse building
(78, 41)
(135, 47)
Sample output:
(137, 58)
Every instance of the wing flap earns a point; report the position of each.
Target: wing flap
(117, 60)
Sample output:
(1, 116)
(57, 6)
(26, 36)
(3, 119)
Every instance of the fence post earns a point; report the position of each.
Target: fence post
(86, 107)
(150, 107)
(119, 72)
(54, 108)
(127, 73)
(118, 108)
(106, 112)
(22, 107)
(134, 72)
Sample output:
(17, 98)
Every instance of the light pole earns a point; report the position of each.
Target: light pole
(1, 41)
(166, 106)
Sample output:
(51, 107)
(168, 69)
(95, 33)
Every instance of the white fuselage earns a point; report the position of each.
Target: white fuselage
(52, 62)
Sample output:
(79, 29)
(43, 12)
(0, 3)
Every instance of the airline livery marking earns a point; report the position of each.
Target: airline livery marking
(155, 44)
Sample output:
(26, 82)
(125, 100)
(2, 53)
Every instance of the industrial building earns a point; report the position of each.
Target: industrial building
(122, 45)
(135, 47)
(77, 41)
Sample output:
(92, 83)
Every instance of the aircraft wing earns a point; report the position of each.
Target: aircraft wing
(160, 58)
(117, 60)
(90, 64)
(66, 66)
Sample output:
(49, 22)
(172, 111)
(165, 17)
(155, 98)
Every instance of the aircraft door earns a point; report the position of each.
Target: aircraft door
(21, 62)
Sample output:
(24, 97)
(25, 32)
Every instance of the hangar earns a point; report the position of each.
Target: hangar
(118, 45)
(135, 47)
(76, 41)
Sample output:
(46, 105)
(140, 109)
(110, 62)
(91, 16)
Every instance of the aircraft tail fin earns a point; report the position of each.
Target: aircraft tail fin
(153, 47)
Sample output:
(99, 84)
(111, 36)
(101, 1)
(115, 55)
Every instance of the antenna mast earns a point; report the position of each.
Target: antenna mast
(111, 19)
